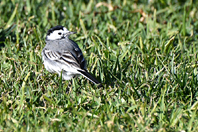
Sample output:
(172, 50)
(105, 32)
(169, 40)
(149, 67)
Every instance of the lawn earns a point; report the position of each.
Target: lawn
(143, 51)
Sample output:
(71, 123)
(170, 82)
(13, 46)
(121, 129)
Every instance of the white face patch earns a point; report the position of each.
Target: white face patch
(65, 30)
(57, 34)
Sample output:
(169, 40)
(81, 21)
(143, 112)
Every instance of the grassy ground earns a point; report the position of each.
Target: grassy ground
(144, 53)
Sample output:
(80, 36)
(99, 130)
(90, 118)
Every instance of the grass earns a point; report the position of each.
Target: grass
(144, 53)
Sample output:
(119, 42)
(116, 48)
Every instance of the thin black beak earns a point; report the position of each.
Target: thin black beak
(71, 33)
(68, 33)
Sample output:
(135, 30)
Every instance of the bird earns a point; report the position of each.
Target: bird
(63, 56)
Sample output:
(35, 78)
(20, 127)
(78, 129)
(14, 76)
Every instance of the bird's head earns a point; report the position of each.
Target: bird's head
(57, 33)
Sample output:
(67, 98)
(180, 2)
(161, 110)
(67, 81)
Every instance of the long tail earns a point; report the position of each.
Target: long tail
(90, 77)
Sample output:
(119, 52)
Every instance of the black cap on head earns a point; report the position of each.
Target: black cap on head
(54, 28)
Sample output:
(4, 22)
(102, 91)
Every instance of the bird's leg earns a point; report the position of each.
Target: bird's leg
(60, 85)
(68, 89)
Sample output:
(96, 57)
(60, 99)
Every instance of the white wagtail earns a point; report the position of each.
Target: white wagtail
(62, 55)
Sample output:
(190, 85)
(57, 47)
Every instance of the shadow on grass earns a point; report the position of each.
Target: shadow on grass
(5, 33)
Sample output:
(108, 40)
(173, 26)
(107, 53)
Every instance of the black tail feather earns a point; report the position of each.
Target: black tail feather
(90, 77)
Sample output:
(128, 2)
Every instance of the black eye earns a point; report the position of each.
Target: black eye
(59, 33)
